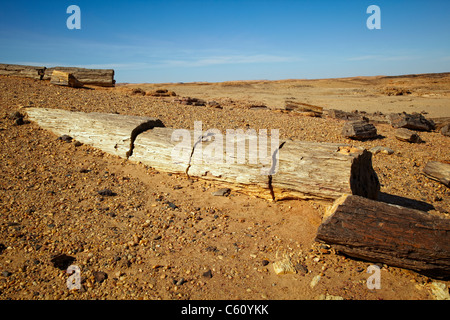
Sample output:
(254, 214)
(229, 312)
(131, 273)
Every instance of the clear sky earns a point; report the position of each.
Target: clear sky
(212, 40)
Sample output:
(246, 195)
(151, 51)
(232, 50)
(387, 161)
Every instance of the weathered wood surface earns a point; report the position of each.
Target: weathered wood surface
(407, 135)
(97, 77)
(61, 78)
(439, 171)
(414, 121)
(359, 130)
(298, 170)
(302, 107)
(381, 232)
(22, 71)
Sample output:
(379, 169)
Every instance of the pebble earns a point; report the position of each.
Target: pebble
(221, 192)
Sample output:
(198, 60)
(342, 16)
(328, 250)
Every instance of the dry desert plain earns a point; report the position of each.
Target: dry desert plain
(165, 236)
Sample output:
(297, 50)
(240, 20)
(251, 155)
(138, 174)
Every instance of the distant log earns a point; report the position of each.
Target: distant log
(65, 79)
(359, 130)
(97, 77)
(414, 121)
(438, 171)
(407, 135)
(302, 107)
(22, 71)
(381, 232)
(293, 169)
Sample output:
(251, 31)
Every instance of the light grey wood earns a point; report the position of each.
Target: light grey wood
(288, 169)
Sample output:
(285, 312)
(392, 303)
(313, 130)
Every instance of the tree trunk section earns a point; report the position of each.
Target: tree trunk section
(439, 171)
(281, 170)
(22, 71)
(381, 232)
(61, 78)
(96, 77)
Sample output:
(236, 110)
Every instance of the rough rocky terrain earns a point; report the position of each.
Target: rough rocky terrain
(136, 233)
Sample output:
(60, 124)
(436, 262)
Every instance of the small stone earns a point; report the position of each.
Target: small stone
(440, 290)
(62, 261)
(180, 282)
(100, 276)
(265, 263)
(106, 192)
(301, 268)
(65, 138)
(221, 192)
(314, 281)
(77, 144)
(284, 266)
(171, 205)
(207, 274)
(381, 149)
(157, 238)
(6, 273)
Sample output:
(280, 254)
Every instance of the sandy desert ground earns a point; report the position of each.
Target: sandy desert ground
(164, 236)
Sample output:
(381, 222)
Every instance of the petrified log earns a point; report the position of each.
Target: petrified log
(414, 121)
(407, 135)
(97, 77)
(439, 171)
(252, 163)
(359, 130)
(22, 71)
(304, 108)
(381, 232)
(61, 78)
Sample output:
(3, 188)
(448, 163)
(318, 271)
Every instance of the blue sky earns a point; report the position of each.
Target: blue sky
(185, 41)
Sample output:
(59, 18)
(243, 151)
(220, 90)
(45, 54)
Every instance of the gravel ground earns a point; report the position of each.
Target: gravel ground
(136, 233)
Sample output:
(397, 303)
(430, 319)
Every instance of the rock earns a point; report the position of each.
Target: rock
(265, 263)
(314, 281)
(15, 115)
(359, 130)
(414, 121)
(301, 268)
(171, 205)
(62, 261)
(329, 297)
(440, 290)
(446, 130)
(6, 273)
(221, 192)
(407, 135)
(2, 248)
(214, 104)
(65, 138)
(284, 266)
(100, 276)
(381, 149)
(106, 192)
(207, 274)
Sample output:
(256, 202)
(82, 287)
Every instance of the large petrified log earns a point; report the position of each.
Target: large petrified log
(97, 77)
(381, 232)
(254, 164)
(22, 71)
